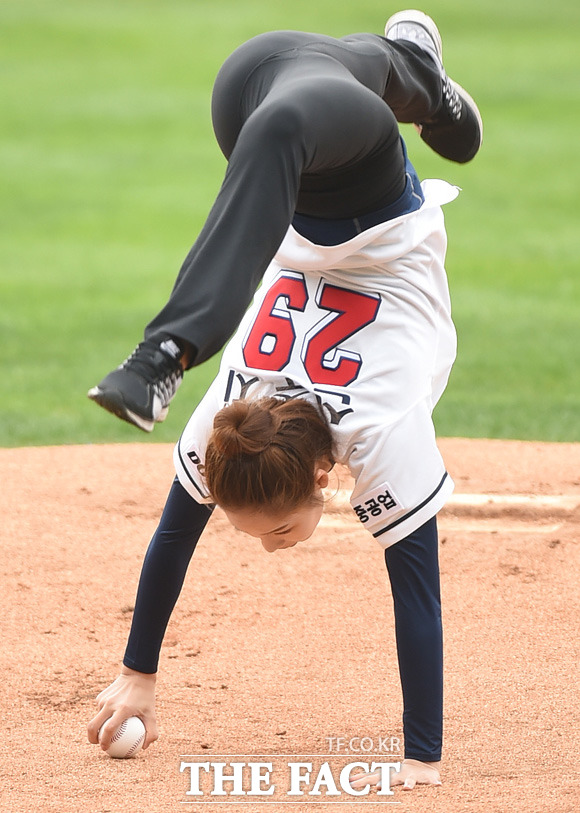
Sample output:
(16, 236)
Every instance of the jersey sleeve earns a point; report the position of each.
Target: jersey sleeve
(400, 477)
(189, 452)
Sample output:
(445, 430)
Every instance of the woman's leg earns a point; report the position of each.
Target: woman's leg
(309, 124)
(318, 142)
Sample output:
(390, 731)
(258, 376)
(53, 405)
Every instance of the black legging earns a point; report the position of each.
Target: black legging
(308, 124)
(414, 574)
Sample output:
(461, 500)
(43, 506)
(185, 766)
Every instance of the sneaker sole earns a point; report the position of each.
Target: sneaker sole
(414, 16)
(113, 402)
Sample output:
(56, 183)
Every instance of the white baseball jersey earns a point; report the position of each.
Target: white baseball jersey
(364, 329)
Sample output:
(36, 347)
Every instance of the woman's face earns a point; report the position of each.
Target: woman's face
(278, 531)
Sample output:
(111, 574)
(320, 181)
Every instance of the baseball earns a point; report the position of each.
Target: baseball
(128, 739)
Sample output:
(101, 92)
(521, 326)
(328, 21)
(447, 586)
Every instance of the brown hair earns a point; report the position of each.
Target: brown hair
(263, 453)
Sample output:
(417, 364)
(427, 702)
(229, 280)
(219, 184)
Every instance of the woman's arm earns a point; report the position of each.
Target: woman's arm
(162, 577)
(413, 567)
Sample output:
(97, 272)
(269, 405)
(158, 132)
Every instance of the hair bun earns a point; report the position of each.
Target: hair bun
(245, 428)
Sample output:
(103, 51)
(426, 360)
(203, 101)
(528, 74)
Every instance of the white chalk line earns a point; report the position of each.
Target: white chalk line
(566, 502)
(338, 512)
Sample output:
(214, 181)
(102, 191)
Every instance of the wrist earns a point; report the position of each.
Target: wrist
(126, 670)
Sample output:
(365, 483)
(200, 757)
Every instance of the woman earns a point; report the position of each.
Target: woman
(343, 354)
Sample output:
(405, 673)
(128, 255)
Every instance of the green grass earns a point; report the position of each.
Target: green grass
(109, 166)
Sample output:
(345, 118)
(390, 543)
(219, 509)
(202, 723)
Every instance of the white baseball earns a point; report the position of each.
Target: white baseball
(128, 739)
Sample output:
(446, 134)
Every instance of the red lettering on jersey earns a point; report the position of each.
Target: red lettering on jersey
(271, 339)
(323, 360)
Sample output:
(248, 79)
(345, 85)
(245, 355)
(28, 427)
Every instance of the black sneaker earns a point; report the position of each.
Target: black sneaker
(457, 132)
(140, 389)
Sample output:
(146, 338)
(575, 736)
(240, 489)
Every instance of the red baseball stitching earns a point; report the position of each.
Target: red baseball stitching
(119, 733)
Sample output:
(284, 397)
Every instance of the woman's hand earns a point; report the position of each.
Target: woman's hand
(413, 772)
(132, 694)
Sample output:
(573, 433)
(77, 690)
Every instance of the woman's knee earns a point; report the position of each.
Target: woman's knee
(233, 84)
(277, 121)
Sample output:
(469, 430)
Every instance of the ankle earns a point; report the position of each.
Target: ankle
(179, 348)
(187, 354)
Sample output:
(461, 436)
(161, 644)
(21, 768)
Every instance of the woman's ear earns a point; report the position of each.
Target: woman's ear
(321, 478)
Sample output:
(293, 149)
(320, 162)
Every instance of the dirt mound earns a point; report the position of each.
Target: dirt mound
(283, 654)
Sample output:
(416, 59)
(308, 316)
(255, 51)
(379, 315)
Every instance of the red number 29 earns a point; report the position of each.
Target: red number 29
(271, 339)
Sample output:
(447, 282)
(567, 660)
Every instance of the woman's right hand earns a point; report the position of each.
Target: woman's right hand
(132, 694)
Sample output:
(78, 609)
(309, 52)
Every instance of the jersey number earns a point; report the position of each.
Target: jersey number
(271, 339)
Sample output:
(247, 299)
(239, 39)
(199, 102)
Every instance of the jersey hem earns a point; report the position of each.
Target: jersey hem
(409, 522)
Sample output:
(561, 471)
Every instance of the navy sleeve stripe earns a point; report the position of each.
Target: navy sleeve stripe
(414, 511)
